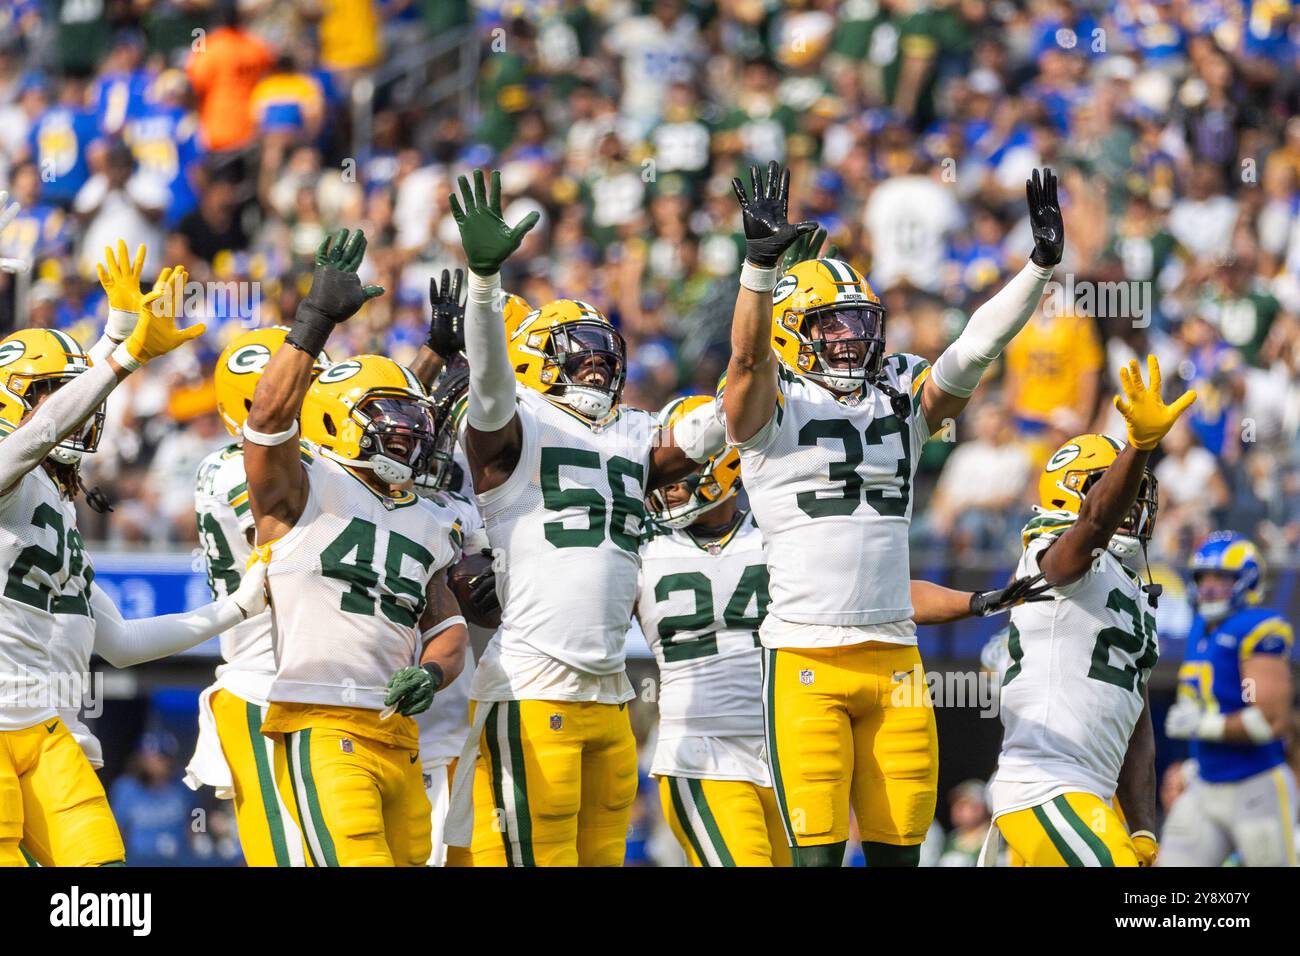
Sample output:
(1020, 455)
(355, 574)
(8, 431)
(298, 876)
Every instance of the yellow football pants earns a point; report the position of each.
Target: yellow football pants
(562, 776)
(1074, 829)
(851, 726)
(487, 845)
(360, 802)
(267, 818)
(724, 822)
(52, 802)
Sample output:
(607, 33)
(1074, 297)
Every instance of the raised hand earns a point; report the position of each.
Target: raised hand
(1019, 591)
(156, 332)
(1045, 219)
(336, 292)
(488, 241)
(120, 277)
(808, 246)
(1147, 416)
(446, 328)
(767, 233)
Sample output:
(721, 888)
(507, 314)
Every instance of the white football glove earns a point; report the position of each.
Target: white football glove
(250, 596)
(1187, 720)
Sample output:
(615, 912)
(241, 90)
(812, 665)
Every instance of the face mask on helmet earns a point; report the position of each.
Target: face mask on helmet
(703, 494)
(847, 345)
(81, 440)
(398, 437)
(590, 356)
(1135, 530)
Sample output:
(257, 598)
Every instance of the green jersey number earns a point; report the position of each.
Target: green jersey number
(751, 589)
(1139, 642)
(351, 558)
(220, 559)
(889, 500)
(34, 557)
(619, 509)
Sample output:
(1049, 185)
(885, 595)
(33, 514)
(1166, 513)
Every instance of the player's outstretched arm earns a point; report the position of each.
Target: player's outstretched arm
(123, 643)
(446, 328)
(155, 333)
(1105, 506)
(493, 434)
(1135, 791)
(994, 324)
(1267, 671)
(935, 604)
(277, 486)
(750, 396)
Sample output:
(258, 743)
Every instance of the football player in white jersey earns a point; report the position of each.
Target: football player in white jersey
(830, 429)
(231, 755)
(365, 630)
(561, 471)
(1077, 728)
(704, 594)
(51, 398)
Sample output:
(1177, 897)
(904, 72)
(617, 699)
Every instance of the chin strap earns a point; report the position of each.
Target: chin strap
(1152, 589)
(901, 404)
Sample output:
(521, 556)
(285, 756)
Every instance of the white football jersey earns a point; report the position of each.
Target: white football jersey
(700, 611)
(830, 483)
(46, 574)
(566, 529)
(445, 725)
(1076, 682)
(71, 644)
(224, 520)
(348, 586)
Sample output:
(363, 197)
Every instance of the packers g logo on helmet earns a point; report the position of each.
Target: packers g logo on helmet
(36, 361)
(240, 367)
(717, 481)
(828, 325)
(554, 348)
(370, 412)
(1071, 473)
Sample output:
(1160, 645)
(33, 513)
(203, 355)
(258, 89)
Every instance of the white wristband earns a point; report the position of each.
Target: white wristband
(120, 324)
(125, 359)
(1212, 726)
(757, 279)
(269, 440)
(441, 626)
(483, 289)
(1256, 725)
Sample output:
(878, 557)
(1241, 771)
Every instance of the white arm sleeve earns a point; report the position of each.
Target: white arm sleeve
(994, 324)
(123, 643)
(58, 415)
(491, 379)
(101, 350)
(700, 433)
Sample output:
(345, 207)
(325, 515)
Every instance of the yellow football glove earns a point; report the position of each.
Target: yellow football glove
(1148, 418)
(120, 277)
(156, 332)
(1144, 842)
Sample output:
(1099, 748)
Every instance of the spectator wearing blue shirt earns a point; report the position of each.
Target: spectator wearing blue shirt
(152, 806)
(164, 139)
(40, 230)
(58, 142)
(123, 84)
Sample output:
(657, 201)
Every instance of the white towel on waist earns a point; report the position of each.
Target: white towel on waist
(208, 767)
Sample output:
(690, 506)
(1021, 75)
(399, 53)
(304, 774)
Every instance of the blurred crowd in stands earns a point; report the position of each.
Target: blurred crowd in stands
(227, 136)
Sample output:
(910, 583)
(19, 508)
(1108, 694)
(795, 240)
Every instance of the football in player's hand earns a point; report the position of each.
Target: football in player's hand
(474, 583)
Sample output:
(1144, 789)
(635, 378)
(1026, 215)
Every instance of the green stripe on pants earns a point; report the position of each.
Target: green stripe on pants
(1058, 841)
(769, 722)
(266, 785)
(1089, 837)
(710, 824)
(313, 799)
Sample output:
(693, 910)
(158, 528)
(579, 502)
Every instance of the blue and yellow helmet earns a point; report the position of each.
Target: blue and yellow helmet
(1227, 552)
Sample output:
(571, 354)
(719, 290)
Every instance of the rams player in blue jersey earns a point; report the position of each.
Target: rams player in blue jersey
(1234, 705)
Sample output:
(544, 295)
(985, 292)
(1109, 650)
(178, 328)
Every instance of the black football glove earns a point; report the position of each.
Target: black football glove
(447, 327)
(1045, 219)
(483, 600)
(767, 234)
(336, 293)
(1019, 591)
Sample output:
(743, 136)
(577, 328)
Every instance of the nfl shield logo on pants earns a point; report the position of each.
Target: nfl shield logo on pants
(806, 676)
(556, 721)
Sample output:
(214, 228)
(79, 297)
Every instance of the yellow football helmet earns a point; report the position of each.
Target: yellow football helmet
(1078, 465)
(553, 346)
(828, 324)
(516, 310)
(36, 361)
(240, 367)
(718, 479)
(370, 412)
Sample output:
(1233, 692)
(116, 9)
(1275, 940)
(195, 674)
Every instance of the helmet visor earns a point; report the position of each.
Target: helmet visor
(848, 338)
(590, 354)
(400, 429)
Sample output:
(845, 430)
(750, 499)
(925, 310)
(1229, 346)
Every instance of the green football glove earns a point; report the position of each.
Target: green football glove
(808, 246)
(336, 293)
(488, 241)
(411, 689)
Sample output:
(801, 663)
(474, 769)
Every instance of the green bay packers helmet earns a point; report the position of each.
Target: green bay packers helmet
(1072, 472)
(718, 479)
(240, 367)
(34, 363)
(515, 310)
(555, 347)
(828, 324)
(370, 412)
